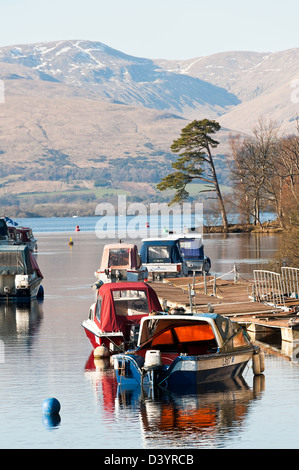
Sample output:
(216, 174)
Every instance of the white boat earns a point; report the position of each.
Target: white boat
(20, 276)
(13, 234)
(121, 262)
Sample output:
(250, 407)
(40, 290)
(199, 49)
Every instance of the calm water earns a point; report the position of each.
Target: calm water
(47, 354)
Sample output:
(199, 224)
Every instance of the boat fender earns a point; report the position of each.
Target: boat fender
(101, 351)
(262, 361)
(258, 363)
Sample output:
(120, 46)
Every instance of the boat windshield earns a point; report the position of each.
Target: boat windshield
(118, 257)
(130, 302)
(192, 248)
(159, 254)
(157, 333)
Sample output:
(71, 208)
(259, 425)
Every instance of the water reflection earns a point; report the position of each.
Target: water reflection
(54, 364)
(248, 250)
(189, 417)
(21, 321)
(51, 421)
(194, 416)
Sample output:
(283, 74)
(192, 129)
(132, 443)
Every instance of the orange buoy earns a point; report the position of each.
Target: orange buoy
(147, 225)
(77, 229)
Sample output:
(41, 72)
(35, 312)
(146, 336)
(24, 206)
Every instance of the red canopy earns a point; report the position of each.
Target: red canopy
(35, 266)
(109, 320)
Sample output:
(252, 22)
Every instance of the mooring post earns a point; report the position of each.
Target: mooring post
(235, 274)
(190, 298)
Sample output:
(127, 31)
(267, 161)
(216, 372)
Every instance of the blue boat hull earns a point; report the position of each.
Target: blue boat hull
(184, 371)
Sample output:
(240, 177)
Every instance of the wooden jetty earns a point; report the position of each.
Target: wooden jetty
(263, 315)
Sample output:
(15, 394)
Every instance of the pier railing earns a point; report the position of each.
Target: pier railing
(275, 288)
(268, 287)
(290, 280)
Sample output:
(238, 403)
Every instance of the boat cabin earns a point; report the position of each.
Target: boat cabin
(192, 249)
(162, 257)
(19, 271)
(190, 334)
(120, 261)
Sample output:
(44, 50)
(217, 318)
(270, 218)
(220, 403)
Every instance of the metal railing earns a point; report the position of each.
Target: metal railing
(268, 287)
(290, 281)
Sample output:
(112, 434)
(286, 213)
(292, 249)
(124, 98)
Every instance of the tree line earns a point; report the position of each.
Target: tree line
(264, 170)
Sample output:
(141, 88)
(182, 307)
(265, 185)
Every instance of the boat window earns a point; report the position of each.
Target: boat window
(164, 338)
(192, 248)
(158, 254)
(185, 334)
(98, 308)
(3, 228)
(223, 325)
(190, 333)
(240, 340)
(118, 257)
(130, 302)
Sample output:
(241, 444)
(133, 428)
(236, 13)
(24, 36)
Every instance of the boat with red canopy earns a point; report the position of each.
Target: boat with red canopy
(115, 317)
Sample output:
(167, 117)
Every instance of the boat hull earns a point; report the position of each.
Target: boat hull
(20, 294)
(184, 370)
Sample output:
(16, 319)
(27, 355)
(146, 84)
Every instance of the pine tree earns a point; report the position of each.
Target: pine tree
(195, 144)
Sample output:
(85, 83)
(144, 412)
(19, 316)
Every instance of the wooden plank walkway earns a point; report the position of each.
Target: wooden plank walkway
(232, 299)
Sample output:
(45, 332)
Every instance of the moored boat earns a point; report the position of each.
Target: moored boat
(182, 350)
(192, 249)
(25, 236)
(13, 234)
(114, 318)
(20, 276)
(162, 257)
(121, 262)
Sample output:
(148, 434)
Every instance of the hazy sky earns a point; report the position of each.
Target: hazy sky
(169, 29)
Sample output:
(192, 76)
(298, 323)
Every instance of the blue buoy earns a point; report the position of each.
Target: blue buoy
(51, 406)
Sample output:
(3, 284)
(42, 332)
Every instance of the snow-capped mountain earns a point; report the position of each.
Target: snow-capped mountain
(82, 99)
(265, 83)
(121, 78)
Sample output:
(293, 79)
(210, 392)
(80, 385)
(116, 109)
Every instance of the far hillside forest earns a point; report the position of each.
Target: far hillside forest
(260, 174)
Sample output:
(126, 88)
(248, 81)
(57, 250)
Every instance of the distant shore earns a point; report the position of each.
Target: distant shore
(266, 227)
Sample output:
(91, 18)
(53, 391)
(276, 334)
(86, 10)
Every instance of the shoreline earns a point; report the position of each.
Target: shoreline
(266, 227)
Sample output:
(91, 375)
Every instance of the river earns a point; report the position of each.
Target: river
(46, 354)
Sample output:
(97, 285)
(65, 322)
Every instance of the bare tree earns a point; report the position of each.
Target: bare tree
(254, 168)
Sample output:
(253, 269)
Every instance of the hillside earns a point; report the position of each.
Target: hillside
(263, 82)
(79, 116)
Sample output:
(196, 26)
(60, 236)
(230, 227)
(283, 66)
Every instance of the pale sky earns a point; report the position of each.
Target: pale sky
(168, 29)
